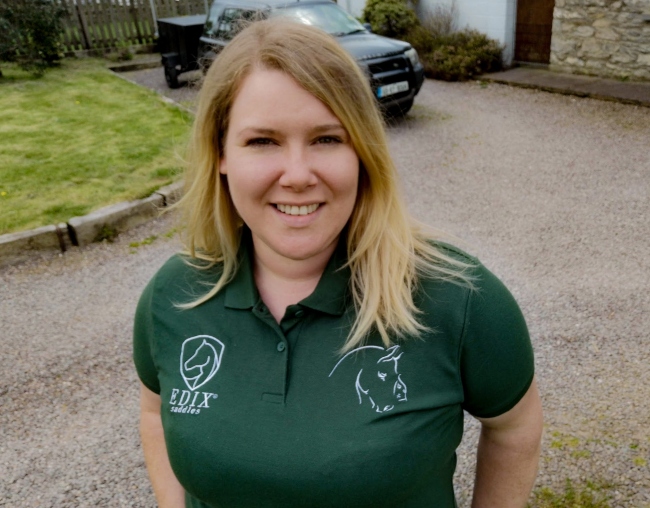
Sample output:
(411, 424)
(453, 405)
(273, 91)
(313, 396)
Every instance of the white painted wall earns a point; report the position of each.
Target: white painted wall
(495, 18)
(354, 7)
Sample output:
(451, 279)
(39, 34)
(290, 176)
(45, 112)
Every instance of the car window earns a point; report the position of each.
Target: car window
(231, 22)
(213, 16)
(328, 17)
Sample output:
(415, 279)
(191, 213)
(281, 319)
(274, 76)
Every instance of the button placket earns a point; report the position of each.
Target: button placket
(275, 389)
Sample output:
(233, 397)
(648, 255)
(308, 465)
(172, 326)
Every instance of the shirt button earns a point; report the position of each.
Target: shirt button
(300, 313)
(281, 346)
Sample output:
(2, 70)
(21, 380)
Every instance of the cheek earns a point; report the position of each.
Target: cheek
(247, 189)
(349, 181)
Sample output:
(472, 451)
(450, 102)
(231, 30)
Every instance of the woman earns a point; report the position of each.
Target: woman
(314, 347)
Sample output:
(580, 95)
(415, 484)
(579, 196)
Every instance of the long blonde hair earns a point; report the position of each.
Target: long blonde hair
(387, 249)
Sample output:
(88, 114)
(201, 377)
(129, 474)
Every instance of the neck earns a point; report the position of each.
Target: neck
(282, 282)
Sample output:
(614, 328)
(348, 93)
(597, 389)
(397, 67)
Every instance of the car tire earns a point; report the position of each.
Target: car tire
(171, 76)
(400, 110)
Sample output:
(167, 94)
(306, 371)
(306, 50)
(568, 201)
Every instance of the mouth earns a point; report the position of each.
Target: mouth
(297, 210)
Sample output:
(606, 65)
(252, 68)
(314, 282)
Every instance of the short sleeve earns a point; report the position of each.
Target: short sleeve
(497, 364)
(143, 335)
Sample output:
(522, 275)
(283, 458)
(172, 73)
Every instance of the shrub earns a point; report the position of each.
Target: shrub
(445, 53)
(421, 39)
(442, 19)
(462, 55)
(30, 32)
(391, 18)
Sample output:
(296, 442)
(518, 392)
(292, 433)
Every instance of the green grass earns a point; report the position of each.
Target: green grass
(80, 138)
(147, 241)
(589, 495)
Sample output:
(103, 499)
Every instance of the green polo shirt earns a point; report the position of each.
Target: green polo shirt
(260, 414)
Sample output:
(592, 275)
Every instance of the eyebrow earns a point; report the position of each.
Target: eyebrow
(273, 132)
(328, 127)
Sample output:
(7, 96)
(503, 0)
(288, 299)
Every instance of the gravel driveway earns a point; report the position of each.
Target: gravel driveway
(551, 192)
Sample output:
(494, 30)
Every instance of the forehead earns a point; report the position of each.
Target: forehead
(269, 95)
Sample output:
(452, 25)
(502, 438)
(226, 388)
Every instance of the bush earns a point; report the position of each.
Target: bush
(442, 19)
(445, 53)
(30, 33)
(421, 39)
(462, 55)
(391, 18)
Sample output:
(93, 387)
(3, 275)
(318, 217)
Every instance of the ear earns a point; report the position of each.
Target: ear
(223, 167)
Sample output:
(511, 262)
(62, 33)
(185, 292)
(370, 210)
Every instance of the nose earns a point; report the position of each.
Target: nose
(297, 171)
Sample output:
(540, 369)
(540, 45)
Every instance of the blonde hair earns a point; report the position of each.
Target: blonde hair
(387, 249)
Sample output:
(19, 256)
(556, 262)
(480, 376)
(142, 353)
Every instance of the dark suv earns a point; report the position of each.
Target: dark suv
(392, 66)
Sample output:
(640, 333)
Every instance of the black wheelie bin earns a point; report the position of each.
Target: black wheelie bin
(178, 42)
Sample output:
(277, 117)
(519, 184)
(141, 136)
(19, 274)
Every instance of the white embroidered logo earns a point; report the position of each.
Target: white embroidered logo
(200, 360)
(381, 384)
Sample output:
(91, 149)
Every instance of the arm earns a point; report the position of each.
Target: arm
(168, 491)
(508, 453)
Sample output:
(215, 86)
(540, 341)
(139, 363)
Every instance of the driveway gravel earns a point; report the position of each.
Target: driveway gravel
(551, 192)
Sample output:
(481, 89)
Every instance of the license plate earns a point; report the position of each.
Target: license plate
(393, 88)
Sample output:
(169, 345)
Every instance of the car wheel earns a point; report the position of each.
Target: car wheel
(171, 76)
(400, 110)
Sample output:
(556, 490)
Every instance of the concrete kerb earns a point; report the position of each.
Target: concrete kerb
(110, 221)
(15, 246)
(102, 224)
(135, 66)
(541, 78)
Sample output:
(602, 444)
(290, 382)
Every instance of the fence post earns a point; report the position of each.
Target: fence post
(84, 27)
(136, 22)
(155, 18)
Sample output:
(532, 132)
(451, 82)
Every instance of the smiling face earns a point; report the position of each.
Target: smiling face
(291, 169)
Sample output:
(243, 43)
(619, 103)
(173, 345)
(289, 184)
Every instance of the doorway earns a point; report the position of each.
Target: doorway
(534, 30)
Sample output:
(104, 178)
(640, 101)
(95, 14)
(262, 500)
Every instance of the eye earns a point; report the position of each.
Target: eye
(259, 142)
(329, 140)
(381, 375)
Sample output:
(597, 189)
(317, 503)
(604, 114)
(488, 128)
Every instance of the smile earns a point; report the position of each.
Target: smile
(297, 210)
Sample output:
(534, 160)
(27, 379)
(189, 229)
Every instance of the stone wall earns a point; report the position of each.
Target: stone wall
(602, 37)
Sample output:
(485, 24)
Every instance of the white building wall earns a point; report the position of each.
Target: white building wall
(354, 7)
(495, 18)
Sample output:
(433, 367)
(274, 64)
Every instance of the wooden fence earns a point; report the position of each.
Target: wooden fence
(104, 24)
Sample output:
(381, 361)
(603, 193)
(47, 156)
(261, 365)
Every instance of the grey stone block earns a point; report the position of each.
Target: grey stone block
(64, 237)
(171, 193)
(107, 222)
(18, 246)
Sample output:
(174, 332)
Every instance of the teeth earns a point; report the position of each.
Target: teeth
(297, 210)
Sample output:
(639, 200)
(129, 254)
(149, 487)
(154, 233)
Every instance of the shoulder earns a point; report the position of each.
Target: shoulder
(182, 278)
(459, 268)
(454, 252)
(444, 267)
(462, 286)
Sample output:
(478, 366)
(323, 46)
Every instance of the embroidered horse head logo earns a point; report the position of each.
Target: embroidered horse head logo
(200, 360)
(378, 380)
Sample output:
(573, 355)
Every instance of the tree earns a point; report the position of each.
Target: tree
(30, 33)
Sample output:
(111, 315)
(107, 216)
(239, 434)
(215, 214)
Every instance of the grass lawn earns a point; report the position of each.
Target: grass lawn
(80, 138)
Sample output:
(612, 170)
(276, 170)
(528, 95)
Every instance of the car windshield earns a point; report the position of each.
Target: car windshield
(328, 17)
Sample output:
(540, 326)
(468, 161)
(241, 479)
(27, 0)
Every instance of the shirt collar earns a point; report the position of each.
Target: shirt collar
(330, 295)
(241, 292)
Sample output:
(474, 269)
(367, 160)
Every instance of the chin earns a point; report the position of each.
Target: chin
(306, 249)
